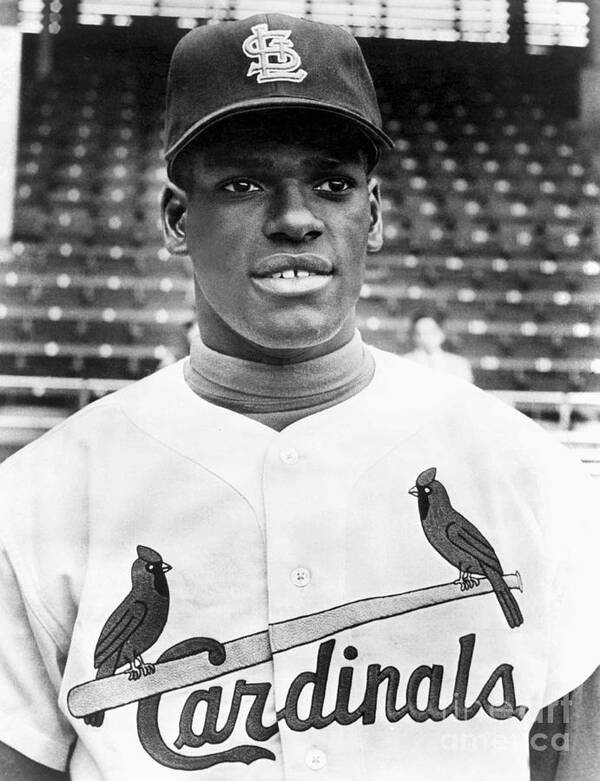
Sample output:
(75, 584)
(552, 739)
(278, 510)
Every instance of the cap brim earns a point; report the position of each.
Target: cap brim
(377, 136)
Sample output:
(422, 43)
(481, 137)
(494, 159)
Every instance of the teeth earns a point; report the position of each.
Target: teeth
(289, 273)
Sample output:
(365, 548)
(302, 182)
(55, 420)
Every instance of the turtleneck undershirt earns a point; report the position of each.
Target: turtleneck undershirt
(278, 395)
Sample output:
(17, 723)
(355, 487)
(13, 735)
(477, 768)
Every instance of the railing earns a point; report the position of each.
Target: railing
(24, 423)
(82, 391)
(562, 403)
(584, 442)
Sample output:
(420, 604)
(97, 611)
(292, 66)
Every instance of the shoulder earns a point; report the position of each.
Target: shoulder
(454, 405)
(455, 360)
(439, 387)
(138, 407)
(495, 443)
(413, 355)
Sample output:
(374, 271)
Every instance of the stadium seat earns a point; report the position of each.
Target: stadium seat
(116, 224)
(30, 222)
(518, 238)
(567, 240)
(71, 221)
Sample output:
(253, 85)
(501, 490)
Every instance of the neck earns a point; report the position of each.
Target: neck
(283, 394)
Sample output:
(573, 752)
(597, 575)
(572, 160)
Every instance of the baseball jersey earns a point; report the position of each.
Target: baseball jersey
(316, 627)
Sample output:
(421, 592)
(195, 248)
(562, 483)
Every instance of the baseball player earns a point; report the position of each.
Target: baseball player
(290, 555)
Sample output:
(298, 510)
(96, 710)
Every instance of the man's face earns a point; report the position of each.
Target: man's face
(427, 334)
(277, 226)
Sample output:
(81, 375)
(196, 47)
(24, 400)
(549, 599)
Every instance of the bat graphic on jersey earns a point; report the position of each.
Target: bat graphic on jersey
(183, 665)
(136, 624)
(461, 543)
(139, 620)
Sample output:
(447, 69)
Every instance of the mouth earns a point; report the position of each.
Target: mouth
(414, 491)
(166, 567)
(288, 274)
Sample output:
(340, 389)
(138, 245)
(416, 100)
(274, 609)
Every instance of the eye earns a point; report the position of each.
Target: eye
(338, 184)
(241, 187)
(427, 490)
(150, 567)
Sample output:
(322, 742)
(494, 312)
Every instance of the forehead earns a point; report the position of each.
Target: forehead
(426, 325)
(312, 134)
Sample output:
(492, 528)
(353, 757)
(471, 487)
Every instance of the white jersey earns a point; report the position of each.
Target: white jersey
(314, 620)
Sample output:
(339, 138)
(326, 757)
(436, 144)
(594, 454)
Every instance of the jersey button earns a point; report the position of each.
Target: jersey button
(316, 759)
(300, 577)
(289, 455)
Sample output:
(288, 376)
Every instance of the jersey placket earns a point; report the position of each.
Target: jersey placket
(306, 564)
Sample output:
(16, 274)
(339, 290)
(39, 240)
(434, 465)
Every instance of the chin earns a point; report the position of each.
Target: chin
(295, 335)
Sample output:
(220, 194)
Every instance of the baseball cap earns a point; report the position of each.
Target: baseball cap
(267, 61)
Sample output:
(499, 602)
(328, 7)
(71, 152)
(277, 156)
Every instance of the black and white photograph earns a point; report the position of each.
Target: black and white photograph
(299, 390)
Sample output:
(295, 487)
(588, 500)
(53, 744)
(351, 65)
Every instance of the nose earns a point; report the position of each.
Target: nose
(291, 216)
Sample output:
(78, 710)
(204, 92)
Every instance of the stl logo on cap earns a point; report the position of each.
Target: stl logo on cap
(277, 60)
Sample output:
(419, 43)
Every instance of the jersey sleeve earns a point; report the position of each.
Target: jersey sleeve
(571, 524)
(42, 548)
(30, 673)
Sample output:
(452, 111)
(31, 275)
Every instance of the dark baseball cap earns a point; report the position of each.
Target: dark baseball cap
(266, 62)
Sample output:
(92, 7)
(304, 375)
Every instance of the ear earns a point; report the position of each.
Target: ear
(173, 207)
(375, 238)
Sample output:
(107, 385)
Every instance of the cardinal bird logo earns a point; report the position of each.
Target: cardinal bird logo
(136, 624)
(461, 543)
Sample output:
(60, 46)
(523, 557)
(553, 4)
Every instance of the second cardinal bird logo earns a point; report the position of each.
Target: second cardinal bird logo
(461, 543)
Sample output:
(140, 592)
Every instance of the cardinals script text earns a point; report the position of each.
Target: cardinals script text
(423, 685)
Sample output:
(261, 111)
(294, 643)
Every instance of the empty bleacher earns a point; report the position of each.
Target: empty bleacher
(491, 221)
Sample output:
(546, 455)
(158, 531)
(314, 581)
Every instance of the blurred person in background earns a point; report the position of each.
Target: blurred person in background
(428, 337)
